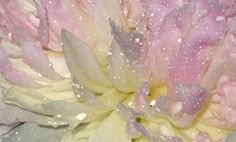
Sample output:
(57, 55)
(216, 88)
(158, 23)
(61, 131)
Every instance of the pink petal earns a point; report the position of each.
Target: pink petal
(229, 104)
(153, 137)
(14, 16)
(223, 63)
(85, 6)
(60, 17)
(203, 137)
(228, 2)
(128, 63)
(142, 105)
(192, 97)
(24, 33)
(135, 129)
(14, 76)
(43, 26)
(155, 12)
(131, 129)
(34, 55)
(183, 108)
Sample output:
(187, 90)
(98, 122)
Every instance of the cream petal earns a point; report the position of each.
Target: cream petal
(82, 63)
(111, 129)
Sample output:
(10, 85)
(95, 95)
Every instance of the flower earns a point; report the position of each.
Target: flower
(129, 70)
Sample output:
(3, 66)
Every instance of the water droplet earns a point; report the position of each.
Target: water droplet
(9, 34)
(153, 102)
(137, 40)
(179, 40)
(81, 116)
(40, 75)
(109, 53)
(220, 18)
(121, 54)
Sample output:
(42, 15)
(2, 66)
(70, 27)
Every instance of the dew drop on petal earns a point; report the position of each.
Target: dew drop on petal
(81, 116)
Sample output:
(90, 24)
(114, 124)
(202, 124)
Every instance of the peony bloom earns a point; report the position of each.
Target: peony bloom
(118, 70)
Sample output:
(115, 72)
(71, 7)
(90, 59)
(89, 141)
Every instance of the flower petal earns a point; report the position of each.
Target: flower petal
(40, 134)
(128, 65)
(142, 105)
(43, 26)
(203, 137)
(24, 33)
(86, 95)
(197, 47)
(88, 74)
(192, 97)
(101, 17)
(33, 53)
(114, 129)
(75, 112)
(59, 17)
(13, 75)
